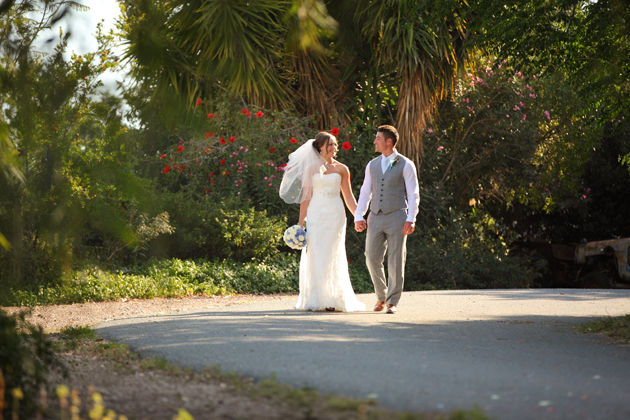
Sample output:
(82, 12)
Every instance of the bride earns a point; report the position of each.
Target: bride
(314, 179)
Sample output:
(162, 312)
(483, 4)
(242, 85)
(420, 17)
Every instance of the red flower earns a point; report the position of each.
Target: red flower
(162, 157)
(259, 114)
(273, 149)
(207, 150)
(211, 174)
(166, 169)
(210, 116)
(334, 131)
(209, 134)
(293, 140)
(198, 101)
(180, 148)
(346, 145)
(227, 172)
(245, 111)
(283, 165)
(222, 161)
(231, 139)
(222, 140)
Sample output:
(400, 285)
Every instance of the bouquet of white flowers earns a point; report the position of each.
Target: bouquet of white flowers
(295, 237)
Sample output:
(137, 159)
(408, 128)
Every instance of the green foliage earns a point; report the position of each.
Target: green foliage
(26, 357)
(466, 253)
(167, 278)
(70, 145)
(585, 41)
(212, 228)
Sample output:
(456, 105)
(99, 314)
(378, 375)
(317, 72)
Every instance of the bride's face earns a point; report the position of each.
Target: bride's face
(331, 148)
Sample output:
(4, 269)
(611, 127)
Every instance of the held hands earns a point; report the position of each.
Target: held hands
(360, 226)
(408, 228)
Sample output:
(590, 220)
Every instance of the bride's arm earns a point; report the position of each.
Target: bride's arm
(303, 208)
(346, 189)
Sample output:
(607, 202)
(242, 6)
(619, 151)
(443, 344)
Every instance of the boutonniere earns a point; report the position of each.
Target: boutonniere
(392, 163)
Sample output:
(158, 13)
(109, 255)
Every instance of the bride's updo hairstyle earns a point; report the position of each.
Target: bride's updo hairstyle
(321, 141)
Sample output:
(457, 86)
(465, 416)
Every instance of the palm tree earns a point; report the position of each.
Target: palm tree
(292, 53)
(424, 43)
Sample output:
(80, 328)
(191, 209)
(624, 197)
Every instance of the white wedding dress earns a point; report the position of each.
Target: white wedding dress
(324, 277)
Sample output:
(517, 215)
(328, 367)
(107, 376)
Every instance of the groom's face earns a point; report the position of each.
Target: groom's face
(380, 142)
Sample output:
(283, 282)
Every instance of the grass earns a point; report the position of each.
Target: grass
(617, 328)
(85, 341)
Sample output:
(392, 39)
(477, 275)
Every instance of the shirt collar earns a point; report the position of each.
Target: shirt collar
(391, 157)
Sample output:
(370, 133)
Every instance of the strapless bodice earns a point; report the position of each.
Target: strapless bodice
(326, 185)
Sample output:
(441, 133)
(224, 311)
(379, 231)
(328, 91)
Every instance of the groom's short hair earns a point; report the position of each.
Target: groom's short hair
(389, 132)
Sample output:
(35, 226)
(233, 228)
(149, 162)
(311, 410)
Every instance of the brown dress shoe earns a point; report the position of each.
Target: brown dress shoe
(391, 309)
(379, 306)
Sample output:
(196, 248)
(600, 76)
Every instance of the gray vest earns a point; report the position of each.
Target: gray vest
(388, 189)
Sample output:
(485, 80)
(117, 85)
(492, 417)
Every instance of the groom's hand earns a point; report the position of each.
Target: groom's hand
(360, 226)
(409, 228)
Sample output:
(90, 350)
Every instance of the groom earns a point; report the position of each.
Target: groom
(391, 184)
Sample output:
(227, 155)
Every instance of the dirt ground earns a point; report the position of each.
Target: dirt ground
(148, 390)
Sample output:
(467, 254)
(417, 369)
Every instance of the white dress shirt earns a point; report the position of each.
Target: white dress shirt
(411, 185)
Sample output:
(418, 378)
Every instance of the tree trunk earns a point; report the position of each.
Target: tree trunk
(18, 235)
(415, 108)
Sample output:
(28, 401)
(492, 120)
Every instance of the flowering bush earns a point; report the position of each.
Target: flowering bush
(504, 137)
(237, 152)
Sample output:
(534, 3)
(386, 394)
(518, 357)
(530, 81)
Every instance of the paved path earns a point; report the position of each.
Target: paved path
(516, 354)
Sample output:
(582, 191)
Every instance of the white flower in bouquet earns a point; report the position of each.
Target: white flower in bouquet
(295, 237)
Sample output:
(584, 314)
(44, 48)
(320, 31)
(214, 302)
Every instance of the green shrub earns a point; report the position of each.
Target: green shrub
(168, 278)
(469, 253)
(217, 229)
(26, 356)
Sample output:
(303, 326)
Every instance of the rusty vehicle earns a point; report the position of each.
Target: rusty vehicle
(593, 265)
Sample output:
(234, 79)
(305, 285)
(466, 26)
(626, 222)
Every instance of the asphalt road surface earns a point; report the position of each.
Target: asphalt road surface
(517, 354)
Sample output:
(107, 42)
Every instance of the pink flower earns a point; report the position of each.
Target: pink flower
(521, 103)
(528, 87)
(440, 148)
(270, 184)
(507, 115)
(430, 131)
(516, 108)
(547, 115)
(534, 76)
(524, 116)
(531, 95)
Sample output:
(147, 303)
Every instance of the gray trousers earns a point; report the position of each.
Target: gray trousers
(385, 234)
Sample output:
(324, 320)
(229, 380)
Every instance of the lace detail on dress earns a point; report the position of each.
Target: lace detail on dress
(324, 278)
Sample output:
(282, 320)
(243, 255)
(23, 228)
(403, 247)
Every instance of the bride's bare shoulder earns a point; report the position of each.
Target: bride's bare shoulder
(341, 168)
